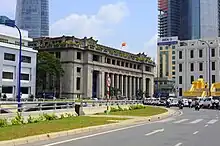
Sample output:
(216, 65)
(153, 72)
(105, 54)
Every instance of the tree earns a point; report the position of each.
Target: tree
(47, 64)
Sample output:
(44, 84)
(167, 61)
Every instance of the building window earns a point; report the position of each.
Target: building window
(108, 61)
(26, 59)
(180, 80)
(134, 66)
(130, 65)
(78, 55)
(173, 47)
(213, 78)
(213, 65)
(118, 63)
(200, 76)
(113, 62)
(173, 62)
(25, 77)
(78, 70)
(126, 65)
(147, 68)
(173, 67)
(8, 56)
(173, 73)
(213, 52)
(191, 66)
(180, 54)
(161, 48)
(173, 57)
(7, 89)
(167, 48)
(191, 54)
(200, 66)
(180, 68)
(173, 52)
(25, 90)
(180, 92)
(200, 53)
(78, 83)
(7, 75)
(192, 79)
(95, 58)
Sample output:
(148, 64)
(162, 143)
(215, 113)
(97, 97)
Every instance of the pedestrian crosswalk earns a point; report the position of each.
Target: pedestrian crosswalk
(189, 121)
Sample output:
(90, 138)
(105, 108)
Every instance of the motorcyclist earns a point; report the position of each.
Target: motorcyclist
(168, 102)
(190, 102)
(196, 103)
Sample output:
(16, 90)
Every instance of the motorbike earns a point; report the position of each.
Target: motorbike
(180, 106)
(197, 107)
(167, 104)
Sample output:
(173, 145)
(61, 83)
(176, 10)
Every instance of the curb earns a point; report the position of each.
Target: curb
(31, 139)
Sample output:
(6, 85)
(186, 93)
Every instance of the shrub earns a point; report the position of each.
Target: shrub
(50, 117)
(33, 120)
(3, 122)
(120, 109)
(112, 109)
(18, 120)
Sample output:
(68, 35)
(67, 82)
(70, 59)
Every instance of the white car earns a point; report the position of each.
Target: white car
(185, 102)
(207, 102)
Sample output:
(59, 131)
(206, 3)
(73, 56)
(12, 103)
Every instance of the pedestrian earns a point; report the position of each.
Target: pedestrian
(190, 102)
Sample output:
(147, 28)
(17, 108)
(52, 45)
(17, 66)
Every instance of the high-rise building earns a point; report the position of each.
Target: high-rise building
(33, 16)
(189, 19)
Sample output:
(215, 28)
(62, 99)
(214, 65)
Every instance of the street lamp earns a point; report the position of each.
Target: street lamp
(209, 62)
(11, 23)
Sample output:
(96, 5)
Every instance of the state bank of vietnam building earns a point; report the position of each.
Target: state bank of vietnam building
(86, 65)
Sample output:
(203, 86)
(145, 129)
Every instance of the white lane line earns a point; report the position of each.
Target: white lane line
(179, 144)
(166, 120)
(206, 125)
(180, 121)
(93, 135)
(212, 121)
(154, 132)
(195, 132)
(196, 121)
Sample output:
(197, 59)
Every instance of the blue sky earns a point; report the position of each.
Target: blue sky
(110, 21)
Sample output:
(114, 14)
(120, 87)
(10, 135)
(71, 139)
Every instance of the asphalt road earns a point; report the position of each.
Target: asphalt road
(192, 128)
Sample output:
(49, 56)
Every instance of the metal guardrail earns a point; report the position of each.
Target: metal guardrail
(28, 106)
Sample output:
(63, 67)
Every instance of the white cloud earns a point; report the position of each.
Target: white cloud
(150, 47)
(8, 8)
(98, 25)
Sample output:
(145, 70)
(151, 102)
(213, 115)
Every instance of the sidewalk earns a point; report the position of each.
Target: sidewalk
(132, 120)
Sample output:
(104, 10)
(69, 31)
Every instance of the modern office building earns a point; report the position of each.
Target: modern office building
(189, 19)
(166, 55)
(3, 19)
(192, 62)
(88, 64)
(33, 16)
(9, 46)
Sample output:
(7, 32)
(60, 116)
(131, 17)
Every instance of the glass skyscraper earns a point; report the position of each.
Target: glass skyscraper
(33, 16)
(189, 19)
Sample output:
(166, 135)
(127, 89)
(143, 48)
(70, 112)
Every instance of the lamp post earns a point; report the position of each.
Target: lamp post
(209, 62)
(11, 23)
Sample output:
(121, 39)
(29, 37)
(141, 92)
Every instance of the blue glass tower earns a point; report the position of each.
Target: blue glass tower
(33, 16)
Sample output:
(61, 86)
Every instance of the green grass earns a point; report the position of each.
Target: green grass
(148, 111)
(19, 131)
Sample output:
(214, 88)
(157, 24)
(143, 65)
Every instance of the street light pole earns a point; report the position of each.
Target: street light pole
(209, 62)
(11, 23)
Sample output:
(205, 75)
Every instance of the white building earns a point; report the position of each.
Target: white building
(9, 55)
(192, 62)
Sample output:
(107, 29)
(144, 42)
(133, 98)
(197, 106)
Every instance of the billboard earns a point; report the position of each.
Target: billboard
(167, 41)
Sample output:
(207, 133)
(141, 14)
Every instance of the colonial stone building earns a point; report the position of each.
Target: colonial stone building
(87, 64)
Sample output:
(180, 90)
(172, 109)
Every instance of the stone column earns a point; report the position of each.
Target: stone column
(144, 83)
(101, 84)
(88, 82)
(134, 86)
(130, 87)
(122, 85)
(138, 83)
(126, 87)
(151, 86)
(117, 81)
(112, 80)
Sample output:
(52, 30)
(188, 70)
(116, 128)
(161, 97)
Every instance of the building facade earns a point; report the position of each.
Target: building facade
(88, 64)
(189, 19)
(33, 16)
(192, 62)
(9, 46)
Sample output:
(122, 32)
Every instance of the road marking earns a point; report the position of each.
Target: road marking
(180, 121)
(212, 121)
(93, 135)
(179, 144)
(154, 132)
(166, 120)
(206, 125)
(196, 121)
(196, 132)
